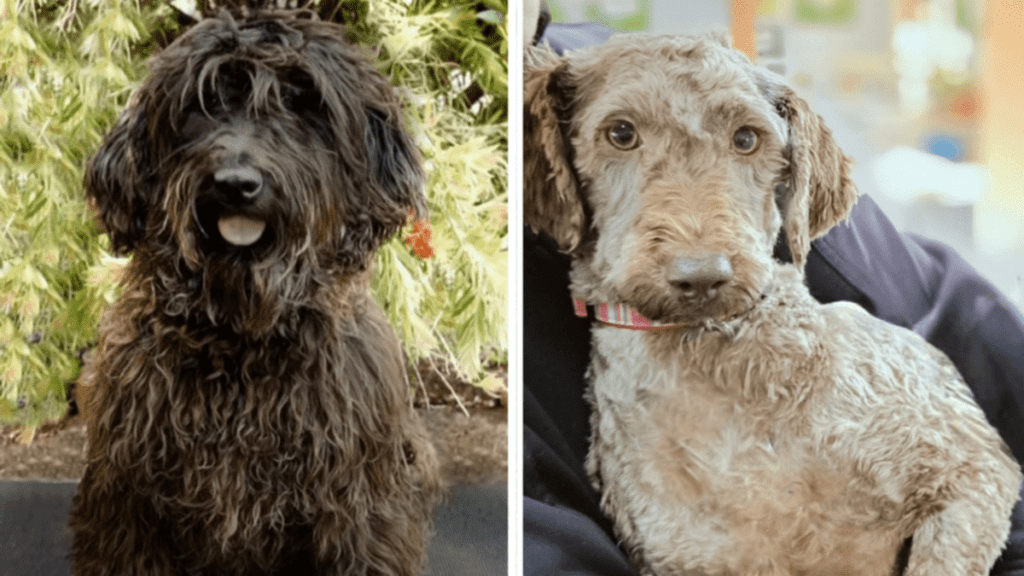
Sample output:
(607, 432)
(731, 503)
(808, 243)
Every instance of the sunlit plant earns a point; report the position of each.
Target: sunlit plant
(66, 70)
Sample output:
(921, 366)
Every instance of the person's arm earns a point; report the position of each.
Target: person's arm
(564, 531)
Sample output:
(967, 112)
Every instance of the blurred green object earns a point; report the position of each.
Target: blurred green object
(621, 15)
(827, 12)
(67, 69)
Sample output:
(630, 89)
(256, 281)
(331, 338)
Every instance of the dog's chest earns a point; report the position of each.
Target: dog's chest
(685, 432)
(697, 476)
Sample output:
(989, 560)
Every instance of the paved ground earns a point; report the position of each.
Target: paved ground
(470, 538)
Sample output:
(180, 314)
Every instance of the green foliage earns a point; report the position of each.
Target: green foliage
(66, 70)
(455, 302)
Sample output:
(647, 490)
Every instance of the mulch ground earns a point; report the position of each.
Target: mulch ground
(469, 426)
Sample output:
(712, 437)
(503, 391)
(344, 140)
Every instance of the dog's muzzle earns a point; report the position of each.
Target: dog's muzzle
(239, 186)
(700, 277)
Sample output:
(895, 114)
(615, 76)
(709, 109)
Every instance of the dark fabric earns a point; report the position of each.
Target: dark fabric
(1011, 563)
(903, 279)
(543, 19)
(566, 542)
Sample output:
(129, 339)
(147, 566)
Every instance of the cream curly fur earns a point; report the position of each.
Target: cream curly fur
(768, 434)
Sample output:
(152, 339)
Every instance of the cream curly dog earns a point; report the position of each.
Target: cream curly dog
(748, 430)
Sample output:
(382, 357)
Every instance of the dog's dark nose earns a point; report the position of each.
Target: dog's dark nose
(700, 276)
(239, 184)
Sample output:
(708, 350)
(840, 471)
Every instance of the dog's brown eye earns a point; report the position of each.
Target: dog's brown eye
(623, 135)
(745, 140)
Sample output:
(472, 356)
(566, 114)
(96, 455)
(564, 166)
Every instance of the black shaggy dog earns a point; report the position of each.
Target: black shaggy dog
(248, 403)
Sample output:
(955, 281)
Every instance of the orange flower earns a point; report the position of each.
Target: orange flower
(419, 239)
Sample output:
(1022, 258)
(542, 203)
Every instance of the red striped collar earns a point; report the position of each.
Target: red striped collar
(620, 316)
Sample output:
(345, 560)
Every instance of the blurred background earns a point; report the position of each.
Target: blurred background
(925, 95)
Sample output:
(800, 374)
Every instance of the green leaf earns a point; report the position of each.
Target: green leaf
(71, 109)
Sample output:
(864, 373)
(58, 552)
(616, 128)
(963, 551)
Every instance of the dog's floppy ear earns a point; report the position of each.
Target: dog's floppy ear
(117, 179)
(552, 202)
(819, 192)
(395, 162)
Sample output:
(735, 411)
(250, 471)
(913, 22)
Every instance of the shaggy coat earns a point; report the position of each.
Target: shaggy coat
(248, 404)
(759, 433)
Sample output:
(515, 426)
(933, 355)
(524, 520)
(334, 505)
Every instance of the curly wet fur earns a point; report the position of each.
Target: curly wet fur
(766, 434)
(248, 406)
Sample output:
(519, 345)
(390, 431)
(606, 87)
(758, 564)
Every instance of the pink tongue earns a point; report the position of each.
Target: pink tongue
(240, 230)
